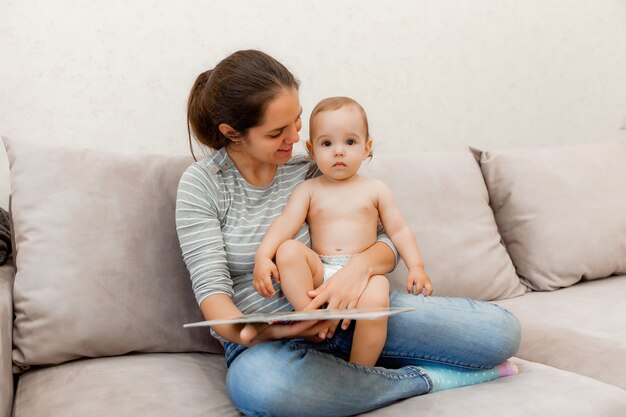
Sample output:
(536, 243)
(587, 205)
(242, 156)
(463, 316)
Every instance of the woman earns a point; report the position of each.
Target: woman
(247, 109)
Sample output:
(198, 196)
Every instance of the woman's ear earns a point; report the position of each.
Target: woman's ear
(229, 132)
(309, 148)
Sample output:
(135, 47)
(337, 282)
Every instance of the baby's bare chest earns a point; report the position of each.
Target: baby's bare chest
(328, 205)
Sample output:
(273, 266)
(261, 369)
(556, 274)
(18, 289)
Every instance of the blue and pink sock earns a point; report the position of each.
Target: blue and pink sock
(447, 377)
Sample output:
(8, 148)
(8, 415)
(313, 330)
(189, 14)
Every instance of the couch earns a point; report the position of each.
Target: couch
(93, 301)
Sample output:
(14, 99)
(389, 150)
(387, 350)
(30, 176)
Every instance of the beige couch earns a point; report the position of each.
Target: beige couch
(91, 324)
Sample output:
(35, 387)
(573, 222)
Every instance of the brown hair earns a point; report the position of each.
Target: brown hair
(334, 103)
(235, 92)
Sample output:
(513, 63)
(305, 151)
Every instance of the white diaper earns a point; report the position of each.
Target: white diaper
(333, 263)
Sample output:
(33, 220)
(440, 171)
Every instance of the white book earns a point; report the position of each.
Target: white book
(324, 314)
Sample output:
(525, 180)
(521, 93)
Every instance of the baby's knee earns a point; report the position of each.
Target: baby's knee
(376, 294)
(289, 251)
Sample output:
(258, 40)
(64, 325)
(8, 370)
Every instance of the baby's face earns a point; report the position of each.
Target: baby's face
(339, 142)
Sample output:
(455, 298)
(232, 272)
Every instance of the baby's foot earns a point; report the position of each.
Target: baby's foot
(507, 368)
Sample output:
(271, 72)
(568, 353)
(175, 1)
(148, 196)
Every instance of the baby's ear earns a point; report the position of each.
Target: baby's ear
(368, 147)
(309, 148)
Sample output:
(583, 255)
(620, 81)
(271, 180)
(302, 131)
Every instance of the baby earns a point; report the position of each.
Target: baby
(342, 210)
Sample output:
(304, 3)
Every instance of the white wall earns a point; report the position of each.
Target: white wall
(432, 74)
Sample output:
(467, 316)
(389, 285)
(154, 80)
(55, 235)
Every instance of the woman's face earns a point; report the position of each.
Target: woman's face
(272, 141)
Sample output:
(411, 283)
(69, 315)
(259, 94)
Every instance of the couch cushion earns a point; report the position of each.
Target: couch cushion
(561, 211)
(157, 384)
(538, 391)
(443, 197)
(580, 329)
(99, 268)
(193, 385)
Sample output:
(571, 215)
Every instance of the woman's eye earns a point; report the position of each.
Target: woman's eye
(276, 135)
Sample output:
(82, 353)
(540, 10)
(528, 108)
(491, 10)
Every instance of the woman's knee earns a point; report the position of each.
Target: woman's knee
(505, 335)
(254, 378)
(266, 379)
(512, 332)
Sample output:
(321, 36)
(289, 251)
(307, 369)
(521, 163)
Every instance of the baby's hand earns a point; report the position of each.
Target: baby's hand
(264, 270)
(418, 281)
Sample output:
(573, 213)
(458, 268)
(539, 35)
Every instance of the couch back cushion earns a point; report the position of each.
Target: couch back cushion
(443, 197)
(561, 210)
(99, 268)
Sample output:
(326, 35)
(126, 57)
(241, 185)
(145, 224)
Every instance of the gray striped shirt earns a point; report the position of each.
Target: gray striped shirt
(221, 220)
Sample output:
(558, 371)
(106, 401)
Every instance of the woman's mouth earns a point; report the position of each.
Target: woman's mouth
(285, 151)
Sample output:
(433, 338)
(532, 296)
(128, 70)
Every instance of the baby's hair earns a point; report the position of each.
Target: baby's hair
(334, 103)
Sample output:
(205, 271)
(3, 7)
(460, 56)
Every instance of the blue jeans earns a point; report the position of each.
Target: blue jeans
(301, 378)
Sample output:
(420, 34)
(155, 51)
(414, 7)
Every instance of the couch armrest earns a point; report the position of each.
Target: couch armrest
(7, 275)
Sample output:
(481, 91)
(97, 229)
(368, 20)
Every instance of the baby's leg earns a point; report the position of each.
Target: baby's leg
(370, 335)
(300, 270)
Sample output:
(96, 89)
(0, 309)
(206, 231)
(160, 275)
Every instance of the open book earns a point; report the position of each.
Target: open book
(289, 316)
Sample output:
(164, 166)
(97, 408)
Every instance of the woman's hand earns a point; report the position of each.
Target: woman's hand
(418, 282)
(264, 270)
(251, 334)
(341, 291)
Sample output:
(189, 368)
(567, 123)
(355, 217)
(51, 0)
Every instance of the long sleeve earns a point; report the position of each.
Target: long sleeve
(200, 235)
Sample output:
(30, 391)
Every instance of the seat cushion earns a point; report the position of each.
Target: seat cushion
(150, 385)
(538, 391)
(581, 328)
(444, 200)
(154, 385)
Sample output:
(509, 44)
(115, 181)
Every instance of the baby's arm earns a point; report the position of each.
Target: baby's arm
(283, 228)
(402, 237)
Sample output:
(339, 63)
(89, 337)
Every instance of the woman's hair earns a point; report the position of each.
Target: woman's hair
(334, 103)
(235, 92)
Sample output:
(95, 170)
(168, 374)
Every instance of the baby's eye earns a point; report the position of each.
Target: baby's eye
(325, 143)
(351, 142)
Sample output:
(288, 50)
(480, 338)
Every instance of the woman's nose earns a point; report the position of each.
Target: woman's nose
(293, 136)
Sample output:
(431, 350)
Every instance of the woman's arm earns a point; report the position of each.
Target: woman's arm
(345, 287)
(345, 291)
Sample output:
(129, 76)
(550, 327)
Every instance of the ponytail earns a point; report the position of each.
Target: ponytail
(199, 116)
